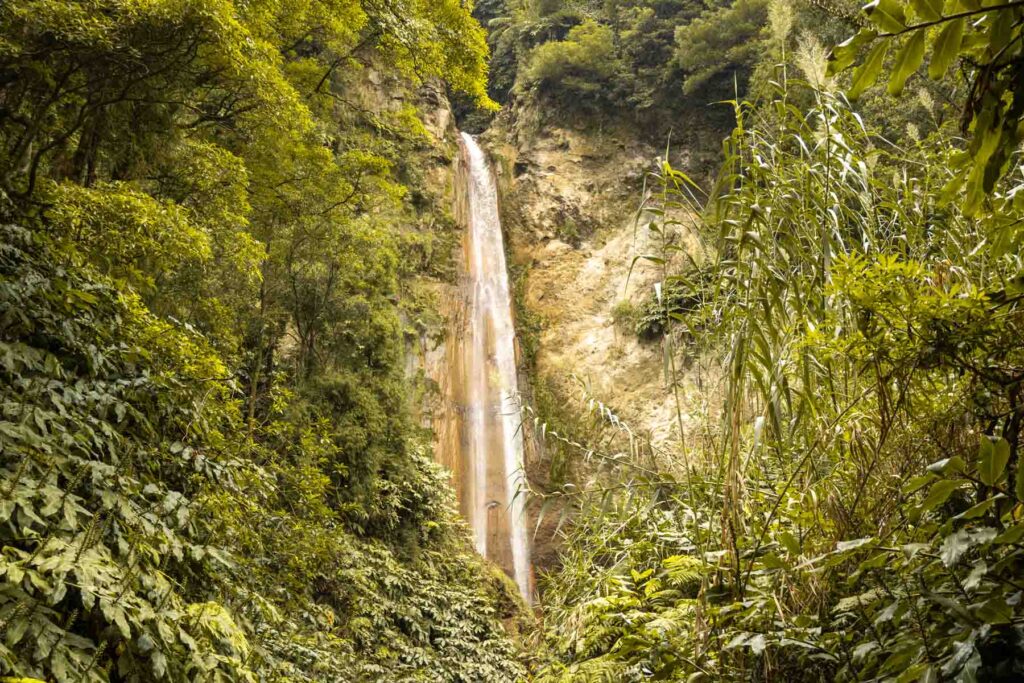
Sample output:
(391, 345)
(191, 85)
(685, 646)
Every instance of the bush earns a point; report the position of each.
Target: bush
(853, 500)
(624, 316)
(582, 68)
(720, 39)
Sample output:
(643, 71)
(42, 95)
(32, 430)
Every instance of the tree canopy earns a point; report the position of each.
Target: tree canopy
(208, 470)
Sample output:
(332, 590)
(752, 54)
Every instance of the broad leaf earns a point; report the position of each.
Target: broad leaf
(955, 545)
(887, 15)
(947, 465)
(865, 75)
(946, 48)
(993, 458)
(939, 493)
(907, 62)
(1019, 483)
(844, 55)
(981, 508)
(927, 10)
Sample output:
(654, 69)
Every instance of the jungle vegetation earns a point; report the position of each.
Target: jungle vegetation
(207, 467)
(846, 502)
(213, 215)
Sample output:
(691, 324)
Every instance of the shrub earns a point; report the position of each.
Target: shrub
(581, 68)
(722, 38)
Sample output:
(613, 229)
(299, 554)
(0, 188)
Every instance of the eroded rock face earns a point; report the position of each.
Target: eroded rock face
(570, 200)
(566, 185)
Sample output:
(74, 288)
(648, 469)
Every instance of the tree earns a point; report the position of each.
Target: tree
(720, 38)
(206, 463)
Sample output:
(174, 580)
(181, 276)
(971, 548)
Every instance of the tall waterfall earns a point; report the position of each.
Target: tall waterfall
(493, 479)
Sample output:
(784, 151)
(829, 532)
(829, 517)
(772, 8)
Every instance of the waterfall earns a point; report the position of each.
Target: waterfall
(494, 483)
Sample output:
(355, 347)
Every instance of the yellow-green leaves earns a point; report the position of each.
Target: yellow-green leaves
(887, 15)
(939, 493)
(908, 60)
(981, 508)
(1000, 33)
(948, 466)
(989, 43)
(989, 131)
(865, 75)
(126, 233)
(1019, 484)
(844, 55)
(992, 459)
(946, 48)
(927, 10)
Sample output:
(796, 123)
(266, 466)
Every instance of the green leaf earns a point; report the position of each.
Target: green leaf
(939, 493)
(994, 611)
(876, 562)
(907, 62)
(980, 509)
(947, 465)
(911, 550)
(14, 574)
(16, 630)
(978, 571)
(122, 624)
(917, 483)
(640, 576)
(790, 542)
(898, 660)
(993, 458)
(887, 15)
(914, 673)
(59, 666)
(946, 48)
(894, 610)
(1019, 484)
(956, 544)
(863, 650)
(1000, 33)
(1011, 535)
(846, 546)
(159, 662)
(865, 75)
(844, 55)
(757, 644)
(927, 10)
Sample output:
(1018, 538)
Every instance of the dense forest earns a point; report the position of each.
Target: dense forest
(209, 470)
(224, 230)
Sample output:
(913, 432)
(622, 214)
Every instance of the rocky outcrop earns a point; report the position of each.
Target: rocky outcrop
(570, 199)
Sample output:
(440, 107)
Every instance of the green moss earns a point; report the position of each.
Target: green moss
(625, 315)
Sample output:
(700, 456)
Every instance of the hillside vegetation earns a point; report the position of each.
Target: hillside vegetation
(847, 503)
(207, 470)
(221, 225)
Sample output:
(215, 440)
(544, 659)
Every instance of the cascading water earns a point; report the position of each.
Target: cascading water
(493, 485)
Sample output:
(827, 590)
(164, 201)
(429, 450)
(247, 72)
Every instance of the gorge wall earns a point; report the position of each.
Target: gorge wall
(568, 201)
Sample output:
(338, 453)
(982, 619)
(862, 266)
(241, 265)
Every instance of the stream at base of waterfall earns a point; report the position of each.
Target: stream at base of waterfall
(492, 486)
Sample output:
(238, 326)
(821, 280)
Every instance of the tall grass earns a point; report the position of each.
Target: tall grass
(864, 328)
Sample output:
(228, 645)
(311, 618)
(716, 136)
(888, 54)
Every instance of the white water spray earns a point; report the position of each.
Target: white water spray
(496, 485)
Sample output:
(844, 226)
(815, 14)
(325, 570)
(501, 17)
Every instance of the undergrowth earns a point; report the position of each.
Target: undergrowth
(854, 507)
